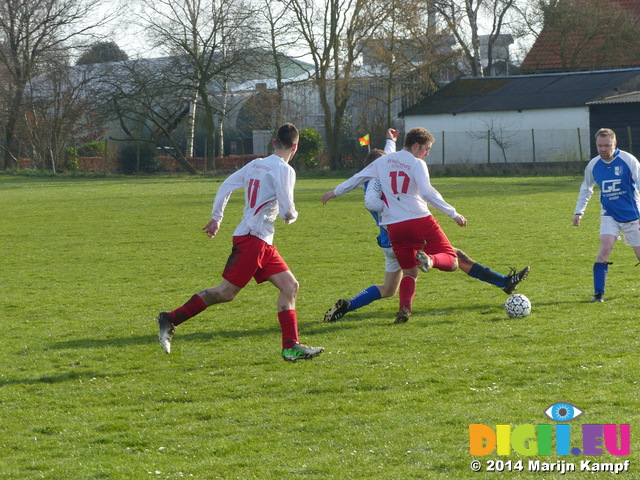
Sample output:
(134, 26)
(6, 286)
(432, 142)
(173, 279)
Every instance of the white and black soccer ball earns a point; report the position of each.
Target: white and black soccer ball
(517, 306)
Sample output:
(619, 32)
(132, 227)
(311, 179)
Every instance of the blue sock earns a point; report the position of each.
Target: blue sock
(600, 271)
(487, 275)
(365, 297)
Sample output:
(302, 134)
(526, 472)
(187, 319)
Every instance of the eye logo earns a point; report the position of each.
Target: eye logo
(563, 412)
(528, 439)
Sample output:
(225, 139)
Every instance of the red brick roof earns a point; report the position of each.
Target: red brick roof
(557, 50)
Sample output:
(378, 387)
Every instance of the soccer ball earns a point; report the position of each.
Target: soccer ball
(517, 306)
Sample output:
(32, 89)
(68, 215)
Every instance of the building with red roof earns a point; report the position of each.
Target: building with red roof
(587, 35)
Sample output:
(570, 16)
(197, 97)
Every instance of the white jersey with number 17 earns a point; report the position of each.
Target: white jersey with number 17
(268, 191)
(406, 187)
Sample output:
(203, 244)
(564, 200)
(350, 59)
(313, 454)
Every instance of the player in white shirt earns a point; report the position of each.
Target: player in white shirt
(374, 202)
(268, 191)
(416, 237)
(617, 174)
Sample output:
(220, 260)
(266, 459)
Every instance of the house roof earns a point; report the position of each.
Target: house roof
(631, 97)
(559, 49)
(525, 92)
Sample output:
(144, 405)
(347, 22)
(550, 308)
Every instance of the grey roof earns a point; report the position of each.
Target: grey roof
(632, 97)
(523, 92)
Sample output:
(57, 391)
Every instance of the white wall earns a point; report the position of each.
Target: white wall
(557, 134)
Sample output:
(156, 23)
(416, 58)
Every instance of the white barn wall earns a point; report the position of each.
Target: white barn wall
(560, 134)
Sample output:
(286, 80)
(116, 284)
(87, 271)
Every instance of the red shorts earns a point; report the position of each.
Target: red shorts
(251, 257)
(418, 234)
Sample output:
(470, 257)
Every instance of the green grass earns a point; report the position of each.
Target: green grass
(86, 392)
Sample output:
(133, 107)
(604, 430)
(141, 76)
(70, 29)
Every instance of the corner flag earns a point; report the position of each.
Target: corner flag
(364, 140)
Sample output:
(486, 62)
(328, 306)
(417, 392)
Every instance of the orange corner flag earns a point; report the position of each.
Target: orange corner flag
(364, 140)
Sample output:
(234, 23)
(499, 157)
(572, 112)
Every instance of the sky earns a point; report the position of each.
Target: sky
(132, 38)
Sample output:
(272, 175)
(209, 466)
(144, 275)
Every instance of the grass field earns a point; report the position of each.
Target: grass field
(87, 393)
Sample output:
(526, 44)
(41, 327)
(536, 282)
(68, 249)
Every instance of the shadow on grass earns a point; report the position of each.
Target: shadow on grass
(70, 376)
(442, 315)
(355, 320)
(309, 327)
(151, 337)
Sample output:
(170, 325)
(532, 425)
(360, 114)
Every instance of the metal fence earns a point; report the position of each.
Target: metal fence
(510, 146)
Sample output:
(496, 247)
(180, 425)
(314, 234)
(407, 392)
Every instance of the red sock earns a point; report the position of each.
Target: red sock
(407, 292)
(443, 261)
(193, 307)
(289, 324)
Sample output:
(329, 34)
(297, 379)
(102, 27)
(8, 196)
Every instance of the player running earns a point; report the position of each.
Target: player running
(268, 191)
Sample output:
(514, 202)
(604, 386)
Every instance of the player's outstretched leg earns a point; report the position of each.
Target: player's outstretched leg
(167, 321)
(300, 352)
(166, 331)
(514, 278)
(338, 311)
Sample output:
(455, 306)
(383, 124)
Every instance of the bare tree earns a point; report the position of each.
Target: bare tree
(405, 59)
(279, 35)
(59, 115)
(497, 133)
(32, 33)
(147, 100)
(464, 18)
(334, 33)
(209, 37)
(499, 13)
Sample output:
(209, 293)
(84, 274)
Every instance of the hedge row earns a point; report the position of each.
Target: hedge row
(167, 163)
(230, 162)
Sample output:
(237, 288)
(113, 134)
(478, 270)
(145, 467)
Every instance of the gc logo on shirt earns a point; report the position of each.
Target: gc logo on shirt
(611, 186)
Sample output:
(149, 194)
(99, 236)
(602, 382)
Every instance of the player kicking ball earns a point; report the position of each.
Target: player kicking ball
(268, 190)
(415, 237)
(375, 203)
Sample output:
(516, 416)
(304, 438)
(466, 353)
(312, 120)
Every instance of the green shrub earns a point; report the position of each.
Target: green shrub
(309, 149)
(148, 161)
(91, 149)
(71, 159)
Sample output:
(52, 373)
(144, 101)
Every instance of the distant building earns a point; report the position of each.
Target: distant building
(500, 55)
(529, 118)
